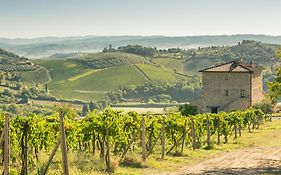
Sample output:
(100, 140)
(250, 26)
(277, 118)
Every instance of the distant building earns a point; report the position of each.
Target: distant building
(230, 86)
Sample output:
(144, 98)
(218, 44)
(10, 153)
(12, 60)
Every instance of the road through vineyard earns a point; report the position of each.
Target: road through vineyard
(252, 161)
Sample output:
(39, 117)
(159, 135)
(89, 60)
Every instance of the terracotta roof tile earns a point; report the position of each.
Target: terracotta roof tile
(234, 66)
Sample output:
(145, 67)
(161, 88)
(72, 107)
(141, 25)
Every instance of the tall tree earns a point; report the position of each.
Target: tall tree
(275, 86)
(93, 105)
(85, 109)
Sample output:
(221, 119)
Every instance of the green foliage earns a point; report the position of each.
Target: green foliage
(11, 62)
(85, 109)
(179, 92)
(160, 78)
(265, 106)
(187, 109)
(275, 86)
(93, 106)
(72, 80)
(40, 133)
(106, 60)
(13, 108)
(134, 49)
(39, 76)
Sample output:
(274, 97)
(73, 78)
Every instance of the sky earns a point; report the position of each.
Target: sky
(40, 18)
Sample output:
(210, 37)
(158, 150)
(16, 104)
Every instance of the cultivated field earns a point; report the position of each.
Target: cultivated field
(73, 80)
(140, 110)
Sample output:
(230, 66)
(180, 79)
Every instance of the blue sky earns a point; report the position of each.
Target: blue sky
(38, 18)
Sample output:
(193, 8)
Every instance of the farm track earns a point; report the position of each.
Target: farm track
(81, 91)
(142, 72)
(249, 161)
(48, 74)
(146, 77)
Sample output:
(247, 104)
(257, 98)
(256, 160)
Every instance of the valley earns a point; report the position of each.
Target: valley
(130, 74)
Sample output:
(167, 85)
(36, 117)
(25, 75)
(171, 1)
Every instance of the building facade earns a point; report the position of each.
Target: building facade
(230, 86)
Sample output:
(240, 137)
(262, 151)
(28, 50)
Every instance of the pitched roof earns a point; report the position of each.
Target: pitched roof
(234, 66)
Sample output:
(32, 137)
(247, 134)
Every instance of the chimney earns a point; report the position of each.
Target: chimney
(252, 64)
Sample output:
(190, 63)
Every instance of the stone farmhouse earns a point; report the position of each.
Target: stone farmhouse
(230, 86)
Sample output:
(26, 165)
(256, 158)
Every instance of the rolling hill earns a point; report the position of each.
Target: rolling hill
(91, 76)
(44, 47)
(166, 74)
(197, 59)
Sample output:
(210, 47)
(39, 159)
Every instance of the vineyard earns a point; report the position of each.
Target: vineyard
(105, 60)
(17, 65)
(114, 134)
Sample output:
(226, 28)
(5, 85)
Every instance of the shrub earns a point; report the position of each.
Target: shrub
(265, 106)
(187, 109)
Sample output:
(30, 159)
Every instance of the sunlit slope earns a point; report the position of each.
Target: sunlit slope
(31, 78)
(72, 79)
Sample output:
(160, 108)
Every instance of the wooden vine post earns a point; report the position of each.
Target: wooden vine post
(219, 132)
(208, 133)
(46, 167)
(183, 137)
(63, 145)
(163, 138)
(193, 134)
(6, 144)
(143, 153)
(235, 131)
(107, 158)
(239, 128)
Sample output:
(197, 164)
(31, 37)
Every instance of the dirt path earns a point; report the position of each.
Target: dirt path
(254, 160)
(48, 75)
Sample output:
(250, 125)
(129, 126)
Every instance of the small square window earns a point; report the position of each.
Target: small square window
(243, 93)
(226, 77)
(226, 93)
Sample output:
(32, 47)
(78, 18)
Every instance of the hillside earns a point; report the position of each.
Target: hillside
(165, 75)
(135, 73)
(10, 62)
(106, 60)
(196, 59)
(19, 82)
(44, 47)
(92, 76)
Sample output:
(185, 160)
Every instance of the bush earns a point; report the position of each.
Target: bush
(265, 106)
(187, 109)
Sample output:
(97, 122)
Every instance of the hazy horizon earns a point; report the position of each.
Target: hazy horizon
(63, 18)
(81, 36)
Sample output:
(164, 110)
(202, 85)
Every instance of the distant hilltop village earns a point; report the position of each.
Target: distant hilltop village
(235, 85)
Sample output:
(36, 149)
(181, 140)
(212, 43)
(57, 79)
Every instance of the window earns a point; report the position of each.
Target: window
(214, 110)
(226, 77)
(226, 93)
(243, 93)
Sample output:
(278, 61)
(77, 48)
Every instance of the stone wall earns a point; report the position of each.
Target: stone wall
(257, 91)
(215, 85)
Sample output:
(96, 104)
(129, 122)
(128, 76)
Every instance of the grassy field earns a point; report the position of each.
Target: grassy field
(78, 95)
(31, 78)
(158, 74)
(171, 63)
(125, 57)
(62, 70)
(193, 66)
(52, 104)
(102, 80)
(71, 80)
